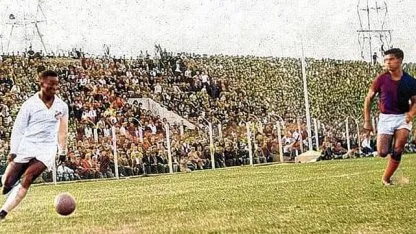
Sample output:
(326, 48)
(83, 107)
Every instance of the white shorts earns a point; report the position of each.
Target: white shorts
(388, 123)
(46, 153)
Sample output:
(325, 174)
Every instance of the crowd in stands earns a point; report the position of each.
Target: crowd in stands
(226, 90)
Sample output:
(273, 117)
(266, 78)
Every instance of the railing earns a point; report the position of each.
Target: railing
(168, 157)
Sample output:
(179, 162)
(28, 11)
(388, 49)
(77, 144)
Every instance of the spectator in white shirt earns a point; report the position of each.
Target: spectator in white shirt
(88, 132)
(158, 88)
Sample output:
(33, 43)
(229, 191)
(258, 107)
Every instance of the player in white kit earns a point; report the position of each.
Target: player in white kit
(39, 133)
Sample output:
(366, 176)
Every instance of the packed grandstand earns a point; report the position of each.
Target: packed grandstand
(105, 93)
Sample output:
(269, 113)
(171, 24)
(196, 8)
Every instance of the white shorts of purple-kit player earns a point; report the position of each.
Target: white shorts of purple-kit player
(388, 123)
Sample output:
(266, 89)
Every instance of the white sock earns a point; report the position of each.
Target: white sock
(16, 195)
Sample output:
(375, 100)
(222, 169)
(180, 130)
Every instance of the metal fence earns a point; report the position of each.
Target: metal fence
(133, 149)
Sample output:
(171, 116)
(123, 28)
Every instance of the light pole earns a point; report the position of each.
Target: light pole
(211, 142)
(279, 134)
(114, 140)
(358, 135)
(315, 125)
(300, 135)
(258, 129)
(167, 128)
(250, 148)
(306, 97)
(113, 132)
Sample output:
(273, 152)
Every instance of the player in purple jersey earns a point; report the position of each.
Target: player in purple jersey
(397, 97)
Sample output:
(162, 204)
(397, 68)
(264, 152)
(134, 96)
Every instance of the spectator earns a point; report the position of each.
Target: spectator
(366, 145)
(222, 89)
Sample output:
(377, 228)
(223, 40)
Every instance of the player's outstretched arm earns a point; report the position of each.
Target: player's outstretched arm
(367, 109)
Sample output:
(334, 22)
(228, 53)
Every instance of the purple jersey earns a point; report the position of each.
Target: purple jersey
(394, 95)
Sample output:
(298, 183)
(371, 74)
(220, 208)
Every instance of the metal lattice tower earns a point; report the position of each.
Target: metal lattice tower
(22, 20)
(373, 34)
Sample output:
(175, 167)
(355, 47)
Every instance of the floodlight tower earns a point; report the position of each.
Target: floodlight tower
(23, 24)
(373, 34)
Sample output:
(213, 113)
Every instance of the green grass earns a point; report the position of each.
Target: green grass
(326, 197)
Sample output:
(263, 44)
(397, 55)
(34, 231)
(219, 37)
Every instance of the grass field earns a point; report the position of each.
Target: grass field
(326, 197)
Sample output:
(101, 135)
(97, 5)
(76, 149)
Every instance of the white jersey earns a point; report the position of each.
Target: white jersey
(35, 130)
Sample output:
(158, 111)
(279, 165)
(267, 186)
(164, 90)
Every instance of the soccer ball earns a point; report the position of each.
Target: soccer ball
(64, 204)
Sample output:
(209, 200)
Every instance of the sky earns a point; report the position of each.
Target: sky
(326, 28)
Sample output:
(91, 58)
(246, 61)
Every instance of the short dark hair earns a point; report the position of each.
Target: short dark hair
(47, 73)
(398, 53)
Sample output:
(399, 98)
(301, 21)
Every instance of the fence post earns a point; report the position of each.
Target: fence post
(250, 148)
(315, 123)
(301, 137)
(211, 145)
(168, 146)
(358, 136)
(279, 137)
(347, 133)
(113, 130)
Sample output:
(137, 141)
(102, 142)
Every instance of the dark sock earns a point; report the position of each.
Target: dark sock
(3, 214)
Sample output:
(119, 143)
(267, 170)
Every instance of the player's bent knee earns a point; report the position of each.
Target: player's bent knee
(396, 155)
(383, 154)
